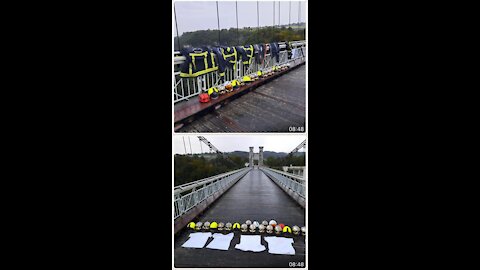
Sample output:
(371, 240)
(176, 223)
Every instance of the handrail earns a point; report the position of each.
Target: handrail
(285, 182)
(217, 185)
(189, 186)
(297, 178)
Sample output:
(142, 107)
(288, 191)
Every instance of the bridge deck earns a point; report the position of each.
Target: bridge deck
(254, 197)
(273, 107)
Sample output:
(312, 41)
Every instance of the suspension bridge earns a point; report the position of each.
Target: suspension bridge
(273, 103)
(256, 192)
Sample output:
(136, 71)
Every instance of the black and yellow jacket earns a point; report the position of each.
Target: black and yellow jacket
(198, 61)
(247, 54)
(226, 57)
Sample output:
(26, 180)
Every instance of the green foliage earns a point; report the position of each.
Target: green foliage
(288, 160)
(192, 168)
(245, 36)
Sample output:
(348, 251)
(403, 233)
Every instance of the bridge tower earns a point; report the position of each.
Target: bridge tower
(250, 157)
(260, 156)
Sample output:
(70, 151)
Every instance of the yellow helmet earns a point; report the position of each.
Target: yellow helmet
(246, 79)
(259, 73)
(191, 225)
(213, 225)
(213, 92)
(287, 229)
(235, 84)
(212, 89)
(236, 225)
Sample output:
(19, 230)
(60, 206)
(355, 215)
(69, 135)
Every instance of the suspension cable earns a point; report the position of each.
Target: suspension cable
(236, 12)
(218, 24)
(176, 26)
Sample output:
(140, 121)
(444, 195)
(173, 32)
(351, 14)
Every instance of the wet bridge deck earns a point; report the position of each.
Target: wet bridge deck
(254, 197)
(273, 107)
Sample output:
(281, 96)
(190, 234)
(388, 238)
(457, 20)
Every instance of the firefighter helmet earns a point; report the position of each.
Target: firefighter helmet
(213, 92)
(204, 98)
(247, 79)
(235, 84)
(206, 225)
(221, 89)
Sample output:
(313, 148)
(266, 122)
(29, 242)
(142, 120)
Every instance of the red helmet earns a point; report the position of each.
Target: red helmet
(204, 97)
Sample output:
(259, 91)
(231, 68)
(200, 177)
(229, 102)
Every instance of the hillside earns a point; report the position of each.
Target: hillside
(230, 37)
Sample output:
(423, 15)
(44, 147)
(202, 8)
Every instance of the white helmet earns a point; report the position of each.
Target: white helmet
(206, 225)
(198, 226)
(278, 229)
(248, 222)
(261, 228)
(256, 224)
(269, 229)
(272, 222)
(304, 230)
(252, 228)
(244, 227)
(220, 226)
(228, 226)
(265, 223)
(296, 230)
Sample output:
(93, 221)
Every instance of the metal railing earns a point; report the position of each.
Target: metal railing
(290, 181)
(202, 189)
(185, 88)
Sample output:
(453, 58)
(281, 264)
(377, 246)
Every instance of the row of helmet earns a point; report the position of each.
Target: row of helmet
(214, 92)
(266, 73)
(265, 226)
(270, 71)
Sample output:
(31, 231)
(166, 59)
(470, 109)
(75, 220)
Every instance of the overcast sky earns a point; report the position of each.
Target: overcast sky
(202, 15)
(230, 143)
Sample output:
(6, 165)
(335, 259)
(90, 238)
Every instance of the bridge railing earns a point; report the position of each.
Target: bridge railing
(185, 88)
(290, 181)
(202, 189)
